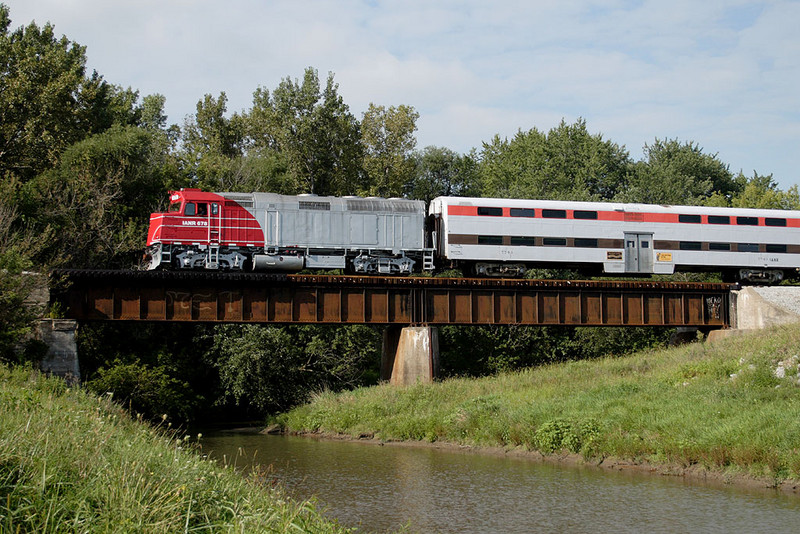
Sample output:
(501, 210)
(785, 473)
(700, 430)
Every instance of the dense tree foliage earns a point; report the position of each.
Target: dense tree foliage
(566, 163)
(272, 368)
(762, 192)
(388, 137)
(94, 198)
(441, 172)
(678, 173)
(314, 130)
(83, 162)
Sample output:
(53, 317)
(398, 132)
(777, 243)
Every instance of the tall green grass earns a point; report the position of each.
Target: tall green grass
(722, 406)
(70, 462)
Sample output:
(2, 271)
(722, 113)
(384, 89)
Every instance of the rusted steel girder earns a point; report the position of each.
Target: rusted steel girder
(271, 298)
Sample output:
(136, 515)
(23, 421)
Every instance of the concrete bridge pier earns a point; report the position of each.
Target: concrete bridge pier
(62, 352)
(410, 355)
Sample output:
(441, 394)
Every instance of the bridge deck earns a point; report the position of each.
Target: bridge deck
(88, 295)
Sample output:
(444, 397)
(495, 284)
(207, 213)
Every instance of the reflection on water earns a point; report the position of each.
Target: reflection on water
(382, 488)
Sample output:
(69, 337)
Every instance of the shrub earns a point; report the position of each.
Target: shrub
(560, 434)
(150, 391)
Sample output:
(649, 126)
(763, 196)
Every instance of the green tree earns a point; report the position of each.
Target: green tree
(442, 172)
(152, 112)
(313, 130)
(273, 368)
(104, 105)
(157, 366)
(16, 317)
(678, 173)
(46, 101)
(566, 163)
(98, 199)
(388, 138)
(762, 192)
(151, 391)
(213, 145)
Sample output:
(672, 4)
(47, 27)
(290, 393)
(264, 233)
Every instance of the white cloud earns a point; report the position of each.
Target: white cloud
(722, 74)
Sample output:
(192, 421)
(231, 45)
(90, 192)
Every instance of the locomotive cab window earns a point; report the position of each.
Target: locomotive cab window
(175, 207)
(190, 209)
(202, 209)
(215, 209)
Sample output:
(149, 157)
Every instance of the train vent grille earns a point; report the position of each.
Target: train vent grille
(322, 206)
(363, 204)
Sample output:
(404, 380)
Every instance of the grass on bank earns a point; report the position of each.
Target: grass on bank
(731, 406)
(70, 462)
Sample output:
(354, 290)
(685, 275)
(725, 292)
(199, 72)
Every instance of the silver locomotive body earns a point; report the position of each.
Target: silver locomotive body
(366, 235)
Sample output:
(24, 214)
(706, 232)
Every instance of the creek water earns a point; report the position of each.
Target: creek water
(387, 488)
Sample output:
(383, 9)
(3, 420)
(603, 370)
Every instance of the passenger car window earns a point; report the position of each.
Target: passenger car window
(522, 212)
(554, 214)
(494, 212)
(583, 214)
(490, 240)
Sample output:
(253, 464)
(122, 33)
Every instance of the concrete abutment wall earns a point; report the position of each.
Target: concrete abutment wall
(62, 351)
(757, 308)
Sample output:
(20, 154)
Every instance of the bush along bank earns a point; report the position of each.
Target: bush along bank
(730, 409)
(70, 462)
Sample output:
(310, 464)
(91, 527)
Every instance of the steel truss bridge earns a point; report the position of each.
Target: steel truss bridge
(101, 295)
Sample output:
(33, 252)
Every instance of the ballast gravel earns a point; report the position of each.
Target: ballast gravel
(786, 297)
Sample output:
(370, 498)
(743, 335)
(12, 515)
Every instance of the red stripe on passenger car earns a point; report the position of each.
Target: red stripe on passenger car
(462, 210)
(621, 216)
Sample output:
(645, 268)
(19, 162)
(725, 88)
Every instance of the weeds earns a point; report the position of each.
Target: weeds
(728, 406)
(70, 462)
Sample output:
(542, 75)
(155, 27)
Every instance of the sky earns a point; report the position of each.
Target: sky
(724, 74)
